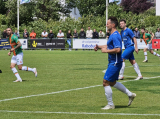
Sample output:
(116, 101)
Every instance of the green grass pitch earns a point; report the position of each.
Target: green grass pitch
(65, 79)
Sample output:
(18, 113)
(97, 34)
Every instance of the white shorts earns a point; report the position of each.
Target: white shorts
(149, 46)
(18, 59)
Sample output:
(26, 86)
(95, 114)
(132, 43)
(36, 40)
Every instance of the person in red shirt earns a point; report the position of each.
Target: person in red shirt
(32, 35)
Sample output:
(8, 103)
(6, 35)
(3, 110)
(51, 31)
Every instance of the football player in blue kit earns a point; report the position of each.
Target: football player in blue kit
(129, 41)
(114, 50)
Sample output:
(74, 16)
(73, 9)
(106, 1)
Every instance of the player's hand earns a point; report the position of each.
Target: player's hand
(12, 50)
(96, 48)
(9, 53)
(136, 50)
(149, 42)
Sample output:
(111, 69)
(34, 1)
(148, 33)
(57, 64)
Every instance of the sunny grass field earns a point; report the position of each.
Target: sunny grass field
(64, 70)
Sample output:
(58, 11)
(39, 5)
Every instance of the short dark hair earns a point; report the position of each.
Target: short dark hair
(123, 20)
(9, 28)
(143, 28)
(114, 20)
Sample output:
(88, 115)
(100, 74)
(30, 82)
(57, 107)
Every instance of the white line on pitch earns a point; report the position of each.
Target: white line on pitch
(66, 90)
(87, 113)
(49, 93)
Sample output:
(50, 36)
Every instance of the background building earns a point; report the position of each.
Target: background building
(74, 12)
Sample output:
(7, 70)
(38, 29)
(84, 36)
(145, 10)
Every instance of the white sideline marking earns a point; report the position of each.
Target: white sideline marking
(44, 112)
(49, 93)
(68, 90)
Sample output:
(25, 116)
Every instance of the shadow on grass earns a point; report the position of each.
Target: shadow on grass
(88, 69)
(122, 106)
(29, 80)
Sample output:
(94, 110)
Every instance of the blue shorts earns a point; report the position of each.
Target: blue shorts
(128, 53)
(112, 72)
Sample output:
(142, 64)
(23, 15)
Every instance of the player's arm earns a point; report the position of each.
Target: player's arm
(132, 36)
(111, 51)
(136, 46)
(116, 44)
(152, 37)
(15, 39)
(99, 47)
(18, 45)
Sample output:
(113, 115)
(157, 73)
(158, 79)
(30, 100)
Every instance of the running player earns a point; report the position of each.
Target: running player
(17, 58)
(129, 40)
(114, 50)
(148, 40)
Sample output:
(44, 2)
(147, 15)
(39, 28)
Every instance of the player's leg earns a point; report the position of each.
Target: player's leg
(152, 52)
(128, 52)
(145, 53)
(24, 68)
(14, 70)
(136, 68)
(108, 78)
(122, 71)
(120, 86)
(108, 94)
(123, 89)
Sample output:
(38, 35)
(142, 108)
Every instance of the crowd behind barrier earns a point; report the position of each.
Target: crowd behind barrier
(62, 43)
(86, 40)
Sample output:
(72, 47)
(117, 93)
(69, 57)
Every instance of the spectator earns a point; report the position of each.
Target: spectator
(95, 34)
(16, 33)
(4, 34)
(60, 35)
(75, 34)
(157, 34)
(51, 35)
(82, 34)
(44, 34)
(25, 34)
(108, 34)
(146, 31)
(101, 34)
(33, 35)
(69, 37)
(136, 33)
(89, 33)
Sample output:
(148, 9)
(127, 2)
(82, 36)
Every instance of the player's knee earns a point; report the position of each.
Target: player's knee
(104, 84)
(150, 51)
(20, 68)
(11, 66)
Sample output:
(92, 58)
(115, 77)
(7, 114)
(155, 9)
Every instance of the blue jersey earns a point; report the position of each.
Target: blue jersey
(127, 36)
(114, 41)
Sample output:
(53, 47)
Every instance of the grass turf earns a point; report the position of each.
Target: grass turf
(64, 70)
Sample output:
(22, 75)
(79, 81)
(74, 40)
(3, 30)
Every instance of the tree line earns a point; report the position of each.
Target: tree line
(92, 12)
